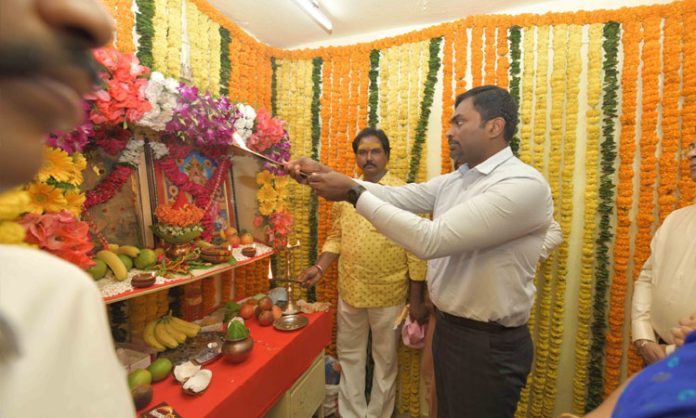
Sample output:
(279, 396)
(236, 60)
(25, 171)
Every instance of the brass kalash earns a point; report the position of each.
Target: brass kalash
(292, 319)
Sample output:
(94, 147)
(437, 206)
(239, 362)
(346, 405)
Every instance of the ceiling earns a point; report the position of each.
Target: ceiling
(282, 24)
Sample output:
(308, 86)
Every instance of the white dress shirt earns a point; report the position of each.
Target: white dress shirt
(67, 365)
(486, 236)
(665, 291)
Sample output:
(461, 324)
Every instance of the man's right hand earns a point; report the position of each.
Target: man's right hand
(650, 350)
(309, 276)
(299, 169)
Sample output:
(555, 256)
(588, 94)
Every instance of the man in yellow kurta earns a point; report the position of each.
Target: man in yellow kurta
(374, 277)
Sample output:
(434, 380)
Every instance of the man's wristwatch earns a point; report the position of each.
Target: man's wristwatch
(354, 194)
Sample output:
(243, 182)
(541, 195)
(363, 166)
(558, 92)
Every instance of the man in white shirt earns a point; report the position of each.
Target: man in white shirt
(666, 288)
(56, 353)
(490, 217)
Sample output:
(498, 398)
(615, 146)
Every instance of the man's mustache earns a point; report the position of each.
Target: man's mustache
(26, 60)
(368, 165)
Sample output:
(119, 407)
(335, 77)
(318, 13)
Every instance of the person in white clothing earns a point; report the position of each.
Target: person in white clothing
(56, 353)
(666, 288)
(490, 217)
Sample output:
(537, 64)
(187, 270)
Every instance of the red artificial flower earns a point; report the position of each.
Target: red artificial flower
(60, 234)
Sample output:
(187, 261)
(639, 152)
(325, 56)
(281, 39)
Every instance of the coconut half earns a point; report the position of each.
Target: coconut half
(198, 383)
(184, 371)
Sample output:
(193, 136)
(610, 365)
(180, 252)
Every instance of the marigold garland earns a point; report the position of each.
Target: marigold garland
(490, 55)
(670, 115)
(447, 102)
(630, 40)
(526, 130)
(477, 55)
(159, 36)
(545, 295)
(592, 157)
(648, 162)
(687, 187)
(605, 208)
(124, 25)
(174, 38)
(502, 67)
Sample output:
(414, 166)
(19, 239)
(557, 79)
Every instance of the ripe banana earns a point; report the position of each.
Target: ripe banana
(179, 336)
(188, 328)
(129, 250)
(149, 336)
(114, 263)
(113, 247)
(164, 337)
(203, 244)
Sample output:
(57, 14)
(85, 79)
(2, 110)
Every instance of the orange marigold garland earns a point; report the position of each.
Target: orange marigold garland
(648, 162)
(476, 55)
(617, 296)
(670, 113)
(503, 63)
(489, 66)
(687, 187)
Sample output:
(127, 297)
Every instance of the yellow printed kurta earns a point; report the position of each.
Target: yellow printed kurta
(372, 270)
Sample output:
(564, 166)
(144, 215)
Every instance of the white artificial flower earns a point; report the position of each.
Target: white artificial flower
(159, 149)
(131, 155)
(162, 94)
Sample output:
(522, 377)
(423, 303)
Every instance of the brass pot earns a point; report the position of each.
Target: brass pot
(236, 351)
(178, 250)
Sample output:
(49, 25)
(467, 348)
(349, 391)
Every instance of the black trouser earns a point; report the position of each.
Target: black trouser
(480, 368)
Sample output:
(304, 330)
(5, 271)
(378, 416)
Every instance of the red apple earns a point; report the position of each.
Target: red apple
(234, 240)
(246, 311)
(266, 318)
(266, 303)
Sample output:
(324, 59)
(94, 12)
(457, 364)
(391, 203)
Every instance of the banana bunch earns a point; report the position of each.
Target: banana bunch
(168, 332)
(115, 264)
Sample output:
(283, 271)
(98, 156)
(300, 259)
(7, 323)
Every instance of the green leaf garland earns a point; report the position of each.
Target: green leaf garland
(274, 87)
(426, 105)
(225, 65)
(317, 64)
(515, 37)
(606, 207)
(145, 30)
(373, 90)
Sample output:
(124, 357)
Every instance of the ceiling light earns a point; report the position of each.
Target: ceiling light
(311, 7)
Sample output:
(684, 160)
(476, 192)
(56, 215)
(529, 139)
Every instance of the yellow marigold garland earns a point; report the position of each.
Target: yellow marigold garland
(593, 115)
(160, 22)
(544, 296)
(447, 103)
(174, 36)
(214, 45)
(526, 102)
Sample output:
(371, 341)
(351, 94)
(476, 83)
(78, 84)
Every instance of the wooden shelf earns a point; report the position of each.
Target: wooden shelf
(115, 291)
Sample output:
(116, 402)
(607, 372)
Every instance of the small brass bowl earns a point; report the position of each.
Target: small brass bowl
(143, 280)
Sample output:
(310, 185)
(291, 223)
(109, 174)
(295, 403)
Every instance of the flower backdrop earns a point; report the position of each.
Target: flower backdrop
(601, 93)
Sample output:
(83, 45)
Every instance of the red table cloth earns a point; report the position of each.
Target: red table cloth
(251, 388)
